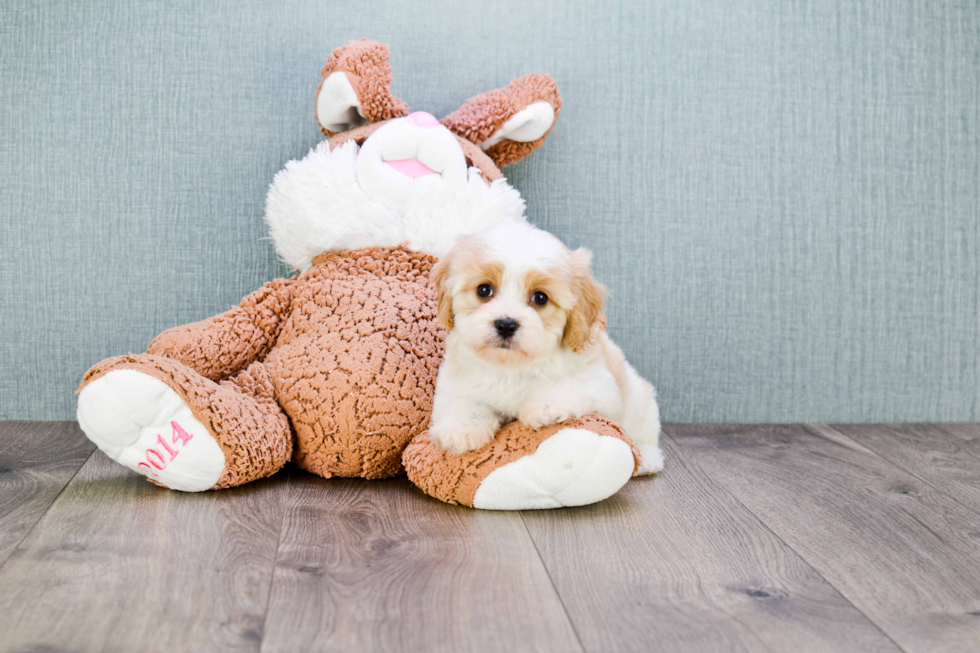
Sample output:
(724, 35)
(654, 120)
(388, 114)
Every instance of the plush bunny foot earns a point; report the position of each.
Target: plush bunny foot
(575, 463)
(180, 429)
(140, 422)
(573, 467)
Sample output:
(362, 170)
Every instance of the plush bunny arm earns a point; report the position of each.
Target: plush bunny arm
(225, 344)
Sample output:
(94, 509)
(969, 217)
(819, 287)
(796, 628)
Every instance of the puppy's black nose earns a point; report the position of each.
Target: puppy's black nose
(506, 327)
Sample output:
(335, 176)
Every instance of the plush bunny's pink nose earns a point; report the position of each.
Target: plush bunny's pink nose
(422, 119)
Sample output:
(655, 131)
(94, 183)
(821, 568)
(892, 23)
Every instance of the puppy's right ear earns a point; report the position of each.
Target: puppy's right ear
(355, 88)
(439, 277)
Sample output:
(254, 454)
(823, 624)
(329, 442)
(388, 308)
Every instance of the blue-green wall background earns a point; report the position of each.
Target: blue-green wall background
(782, 195)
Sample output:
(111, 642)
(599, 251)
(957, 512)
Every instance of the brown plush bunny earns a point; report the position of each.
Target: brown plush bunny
(334, 368)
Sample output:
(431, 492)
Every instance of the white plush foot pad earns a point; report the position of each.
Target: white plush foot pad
(140, 422)
(573, 467)
(651, 459)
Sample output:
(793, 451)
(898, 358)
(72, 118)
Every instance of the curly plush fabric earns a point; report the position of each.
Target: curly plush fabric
(366, 64)
(356, 364)
(455, 479)
(223, 345)
(484, 114)
(241, 413)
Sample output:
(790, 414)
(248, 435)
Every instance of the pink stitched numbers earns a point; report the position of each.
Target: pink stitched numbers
(157, 460)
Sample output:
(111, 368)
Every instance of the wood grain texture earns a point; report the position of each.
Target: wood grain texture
(674, 563)
(943, 460)
(37, 459)
(378, 566)
(969, 433)
(966, 430)
(754, 538)
(904, 553)
(117, 564)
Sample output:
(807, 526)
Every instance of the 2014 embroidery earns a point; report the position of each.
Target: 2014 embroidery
(157, 461)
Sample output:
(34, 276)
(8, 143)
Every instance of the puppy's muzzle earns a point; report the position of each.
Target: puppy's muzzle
(506, 327)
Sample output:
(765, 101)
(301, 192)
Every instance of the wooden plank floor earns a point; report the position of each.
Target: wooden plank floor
(764, 538)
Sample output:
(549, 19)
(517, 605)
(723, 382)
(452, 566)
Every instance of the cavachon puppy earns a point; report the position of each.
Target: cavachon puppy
(527, 342)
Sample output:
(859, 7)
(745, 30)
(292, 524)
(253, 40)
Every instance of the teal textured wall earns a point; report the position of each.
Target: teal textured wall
(782, 195)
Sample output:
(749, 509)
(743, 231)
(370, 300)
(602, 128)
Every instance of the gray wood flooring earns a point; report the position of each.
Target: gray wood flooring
(755, 538)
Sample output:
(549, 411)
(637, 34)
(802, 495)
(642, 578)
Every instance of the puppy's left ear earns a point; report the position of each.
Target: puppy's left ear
(439, 277)
(589, 296)
(511, 122)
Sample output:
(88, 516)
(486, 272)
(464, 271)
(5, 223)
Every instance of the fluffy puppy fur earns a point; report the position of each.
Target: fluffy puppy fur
(527, 342)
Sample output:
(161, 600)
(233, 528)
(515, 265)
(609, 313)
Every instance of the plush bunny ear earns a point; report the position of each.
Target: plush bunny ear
(511, 122)
(355, 88)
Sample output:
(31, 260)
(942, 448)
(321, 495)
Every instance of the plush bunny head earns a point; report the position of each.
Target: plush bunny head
(387, 176)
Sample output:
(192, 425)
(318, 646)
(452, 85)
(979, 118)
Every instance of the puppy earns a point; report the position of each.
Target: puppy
(526, 343)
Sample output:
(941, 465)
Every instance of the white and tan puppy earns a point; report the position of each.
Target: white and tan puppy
(525, 343)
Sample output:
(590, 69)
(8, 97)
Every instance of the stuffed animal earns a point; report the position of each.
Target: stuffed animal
(334, 368)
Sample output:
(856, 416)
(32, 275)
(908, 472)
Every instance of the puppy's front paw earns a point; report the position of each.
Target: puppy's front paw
(651, 460)
(458, 439)
(539, 415)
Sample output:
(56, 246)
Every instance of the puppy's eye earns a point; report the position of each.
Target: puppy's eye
(484, 290)
(539, 298)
